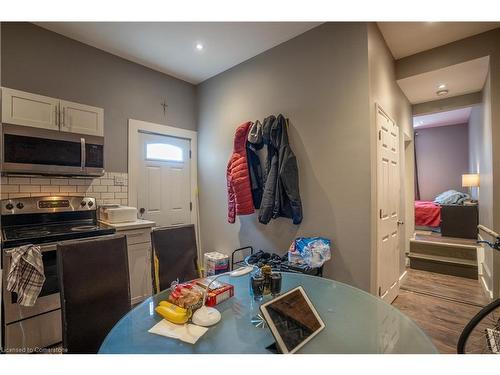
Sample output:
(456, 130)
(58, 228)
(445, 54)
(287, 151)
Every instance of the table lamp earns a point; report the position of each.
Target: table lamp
(208, 316)
(470, 181)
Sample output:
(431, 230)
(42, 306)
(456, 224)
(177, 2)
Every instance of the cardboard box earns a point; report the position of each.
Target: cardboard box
(218, 295)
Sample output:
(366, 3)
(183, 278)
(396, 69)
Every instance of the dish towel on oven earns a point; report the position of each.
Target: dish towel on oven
(26, 275)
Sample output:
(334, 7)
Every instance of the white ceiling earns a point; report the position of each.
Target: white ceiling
(169, 47)
(453, 117)
(459, 79)
(407, 38)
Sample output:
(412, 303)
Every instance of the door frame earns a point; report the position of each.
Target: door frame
(395, 291)
(135, 127)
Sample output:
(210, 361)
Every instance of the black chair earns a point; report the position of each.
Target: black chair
(175, 255)
(95, 290)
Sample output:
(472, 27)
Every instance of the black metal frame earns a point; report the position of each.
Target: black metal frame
(240, 262)
(283, 268)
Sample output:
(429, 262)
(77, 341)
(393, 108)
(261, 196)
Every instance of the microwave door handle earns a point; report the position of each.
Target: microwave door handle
(83, 156)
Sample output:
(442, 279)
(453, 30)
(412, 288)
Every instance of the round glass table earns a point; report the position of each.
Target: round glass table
(356, 322)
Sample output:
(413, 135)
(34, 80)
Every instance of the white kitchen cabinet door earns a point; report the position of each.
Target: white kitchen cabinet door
(24, 108)
(81, 118)
(139, 260)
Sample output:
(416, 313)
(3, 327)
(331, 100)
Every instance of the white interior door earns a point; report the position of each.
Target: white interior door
(388, 196)
(164, 187)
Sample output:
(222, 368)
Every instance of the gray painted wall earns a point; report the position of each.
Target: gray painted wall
(385, 92)
(46, 63)
(320, 81)
(480, 161)
(442, 158)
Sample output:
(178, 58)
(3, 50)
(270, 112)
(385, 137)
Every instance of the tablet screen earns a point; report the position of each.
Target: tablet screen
(292, 319)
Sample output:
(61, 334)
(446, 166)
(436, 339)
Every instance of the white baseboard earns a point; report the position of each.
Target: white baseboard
(484, 284)
(403, 276)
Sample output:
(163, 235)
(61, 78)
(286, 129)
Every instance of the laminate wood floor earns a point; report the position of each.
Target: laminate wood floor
(458, 289)
(440, 304)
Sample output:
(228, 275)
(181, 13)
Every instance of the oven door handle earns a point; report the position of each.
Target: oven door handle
(43, 248)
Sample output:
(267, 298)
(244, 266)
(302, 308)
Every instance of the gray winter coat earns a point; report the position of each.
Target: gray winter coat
(281, 197)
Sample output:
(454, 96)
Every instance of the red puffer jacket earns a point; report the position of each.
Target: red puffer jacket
(239, 194)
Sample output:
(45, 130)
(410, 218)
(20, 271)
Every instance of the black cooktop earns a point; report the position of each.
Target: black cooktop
(38, 234)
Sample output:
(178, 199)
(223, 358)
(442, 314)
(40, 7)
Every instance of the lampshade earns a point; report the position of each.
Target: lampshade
(470, 180)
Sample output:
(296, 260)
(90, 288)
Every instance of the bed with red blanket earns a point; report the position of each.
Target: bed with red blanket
(427, 214)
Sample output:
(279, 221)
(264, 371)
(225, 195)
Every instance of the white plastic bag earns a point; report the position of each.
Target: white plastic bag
(312, 251)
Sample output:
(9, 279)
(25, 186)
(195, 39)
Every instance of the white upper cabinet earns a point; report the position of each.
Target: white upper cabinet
(24, 108)
(80, 118)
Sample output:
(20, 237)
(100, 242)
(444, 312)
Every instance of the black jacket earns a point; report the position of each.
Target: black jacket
(254, 144)
(281, 197)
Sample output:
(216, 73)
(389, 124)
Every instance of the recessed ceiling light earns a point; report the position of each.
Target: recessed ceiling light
(199, 47)
(442, 92)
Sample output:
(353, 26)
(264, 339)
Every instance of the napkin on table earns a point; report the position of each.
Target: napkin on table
(189, 333)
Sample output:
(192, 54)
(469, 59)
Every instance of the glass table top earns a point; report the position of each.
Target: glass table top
(356, 322)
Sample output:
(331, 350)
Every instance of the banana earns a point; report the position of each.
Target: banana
(173, 313)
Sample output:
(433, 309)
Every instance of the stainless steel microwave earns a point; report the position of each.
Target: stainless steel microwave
(34, 151)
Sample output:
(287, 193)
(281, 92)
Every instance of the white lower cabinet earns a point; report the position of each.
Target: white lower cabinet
(138, 235)
(139, 263)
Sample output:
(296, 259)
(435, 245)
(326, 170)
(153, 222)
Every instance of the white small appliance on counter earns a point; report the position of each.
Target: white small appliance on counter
(115, 213)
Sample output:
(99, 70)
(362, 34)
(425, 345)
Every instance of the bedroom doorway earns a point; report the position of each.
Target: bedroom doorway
(446, 209)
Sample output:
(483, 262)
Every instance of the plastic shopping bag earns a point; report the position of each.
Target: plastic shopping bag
(312, 251)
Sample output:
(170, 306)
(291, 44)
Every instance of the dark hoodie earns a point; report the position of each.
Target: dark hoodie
(281, 197)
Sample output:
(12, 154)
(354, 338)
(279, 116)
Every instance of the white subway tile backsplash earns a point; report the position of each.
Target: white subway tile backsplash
(10, 188)
(29, 188)
(107, 181)
(99, 188)
(19, 180)
(104, 189)
(80, 181)
(38, 194)
(18, 195)
(67, 189)
(48, 188)
(59, 181)
(40, 181)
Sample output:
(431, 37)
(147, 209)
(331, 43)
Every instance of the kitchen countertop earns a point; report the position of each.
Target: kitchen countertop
(138, 224)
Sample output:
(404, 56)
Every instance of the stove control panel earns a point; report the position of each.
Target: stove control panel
(50, 204)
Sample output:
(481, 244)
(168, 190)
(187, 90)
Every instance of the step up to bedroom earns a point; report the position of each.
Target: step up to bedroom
(447, 258)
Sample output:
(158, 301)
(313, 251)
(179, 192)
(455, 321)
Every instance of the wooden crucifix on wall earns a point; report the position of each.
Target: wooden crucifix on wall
(164, 105)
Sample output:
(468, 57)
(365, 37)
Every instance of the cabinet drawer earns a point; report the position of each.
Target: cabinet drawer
(137, 236)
